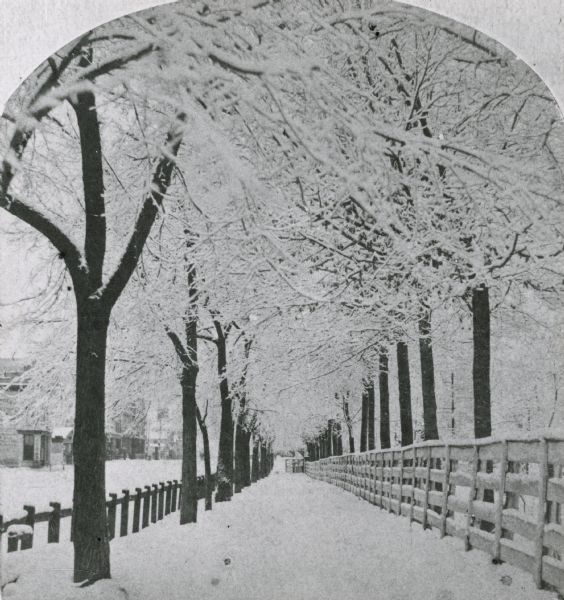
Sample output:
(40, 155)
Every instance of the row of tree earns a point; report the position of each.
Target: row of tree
(288, 202)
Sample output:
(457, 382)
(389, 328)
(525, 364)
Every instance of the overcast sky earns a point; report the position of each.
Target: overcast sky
(34, 29)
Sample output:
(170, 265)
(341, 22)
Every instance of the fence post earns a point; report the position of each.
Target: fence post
(154, 496)
(13, 542)
(541, 515)
(27, 539)
(168, 497)
(500, 503)
(136, 509)
(427, 484)
(124, 515)
(391, 480)
(54, 526)
(146, 506)
(161, 499)
(413, 485)
(382, 458)
(446, 488)
(174, 493)
(400, 482)
(372, 471)
(112, 516)
(471, 494)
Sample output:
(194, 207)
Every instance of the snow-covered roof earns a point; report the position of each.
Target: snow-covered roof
(62, 432)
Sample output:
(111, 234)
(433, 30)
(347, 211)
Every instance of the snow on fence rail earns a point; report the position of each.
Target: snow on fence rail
(484, 492)
(150, 504)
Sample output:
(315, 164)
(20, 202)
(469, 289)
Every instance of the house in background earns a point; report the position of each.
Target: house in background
(61, 446)
(125, 437)
(14, 445)
(40, 444)
(165, 444)
(36, 447)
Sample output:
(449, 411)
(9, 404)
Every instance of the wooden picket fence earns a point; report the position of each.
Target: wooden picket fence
(150, 504)
(503, 497)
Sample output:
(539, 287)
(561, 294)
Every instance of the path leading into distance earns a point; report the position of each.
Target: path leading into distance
(286, 538)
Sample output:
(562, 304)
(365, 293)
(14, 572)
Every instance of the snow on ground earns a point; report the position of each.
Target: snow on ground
(287, 537)
(38, 487)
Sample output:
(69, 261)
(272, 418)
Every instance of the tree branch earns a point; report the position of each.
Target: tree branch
(161, 181)
(178, 347)
(93, 183)
(67, 250)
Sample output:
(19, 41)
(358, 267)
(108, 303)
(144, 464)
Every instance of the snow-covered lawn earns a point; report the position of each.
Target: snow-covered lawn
(38, 487)
(286, 538)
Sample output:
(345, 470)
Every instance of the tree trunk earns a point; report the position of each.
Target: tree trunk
(189, 492)
(330, 439)
(255, 461)
(225, 454)
(404, 385)
(348, 423)
(481, 363)
(384, 401)
(89, 527)
(370, 400)
(207, 462)
(431, 430)
(239, 453)
(364, 420)
(481, 378)
(338, 439)
(246, 459)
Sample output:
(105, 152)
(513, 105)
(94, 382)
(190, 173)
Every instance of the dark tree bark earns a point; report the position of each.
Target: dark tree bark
(338, 443)
(431, 430)
(255, 460)
(348, 423)
(94, 302)
(225, 454)
(263, 460)
(481, 363)
(94, 306)
(330, 438)
(364, 420)
(238, 474)
(90, 535)
(207, 460)
(246, 458)
(241, 439)
(404, 385)
(189, 493)
(370, 416)
(384, 401)
(481, 378)
(187, 352)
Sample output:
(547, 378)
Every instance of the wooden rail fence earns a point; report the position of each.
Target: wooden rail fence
(136, 511)
(503, 497)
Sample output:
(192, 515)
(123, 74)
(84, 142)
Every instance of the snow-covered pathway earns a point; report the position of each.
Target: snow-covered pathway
(286, 538)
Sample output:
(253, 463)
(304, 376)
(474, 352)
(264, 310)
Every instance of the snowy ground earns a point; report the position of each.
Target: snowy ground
(286, 538)
(38, 487)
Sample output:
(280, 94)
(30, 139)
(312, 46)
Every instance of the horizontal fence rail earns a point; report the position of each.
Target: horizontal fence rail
(503, 497)
(136, 511)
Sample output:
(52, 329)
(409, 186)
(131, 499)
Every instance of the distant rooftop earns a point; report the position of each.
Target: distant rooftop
(14, 365)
